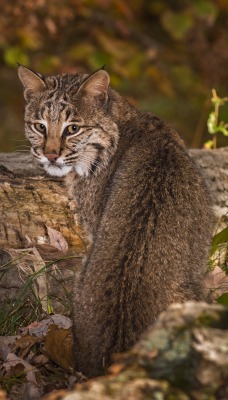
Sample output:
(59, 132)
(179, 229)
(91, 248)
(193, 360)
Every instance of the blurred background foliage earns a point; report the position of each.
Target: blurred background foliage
(165, 56)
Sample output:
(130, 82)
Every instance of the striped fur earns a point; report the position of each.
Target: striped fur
(142, 202)
(88, 150)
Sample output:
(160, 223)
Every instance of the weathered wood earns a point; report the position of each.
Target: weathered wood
(30, 203)
(214, 166)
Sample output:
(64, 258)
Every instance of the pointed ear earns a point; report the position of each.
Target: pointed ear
(96, 86)
(31, 81)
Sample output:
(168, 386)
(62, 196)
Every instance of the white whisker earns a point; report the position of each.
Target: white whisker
(18, 140)
(21, 151)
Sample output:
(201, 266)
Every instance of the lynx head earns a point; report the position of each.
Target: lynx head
(67, 123)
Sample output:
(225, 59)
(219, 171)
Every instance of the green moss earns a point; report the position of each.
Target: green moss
(206, 319)
(180, 348)
(159, 340)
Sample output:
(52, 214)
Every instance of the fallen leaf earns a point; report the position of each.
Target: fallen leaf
(14, 370)
(17, 366)
(2, 395)
(217, 282)
(37, 328)
(58, 345)
(39, 360)
(40, 328)
(31, 391)
(24, 344)
(56, 395)
(116, 369)
(57, 240)
(49, 252)
(61, 321)
(5, 342)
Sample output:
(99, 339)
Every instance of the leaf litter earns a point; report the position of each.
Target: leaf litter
(37, 361)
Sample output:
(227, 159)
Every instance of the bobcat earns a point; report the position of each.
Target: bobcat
(142, 201)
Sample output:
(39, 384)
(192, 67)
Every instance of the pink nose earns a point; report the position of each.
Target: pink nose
(51, 156)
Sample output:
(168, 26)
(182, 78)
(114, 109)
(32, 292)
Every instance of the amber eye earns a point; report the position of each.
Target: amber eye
(40, 127)
(71, 129)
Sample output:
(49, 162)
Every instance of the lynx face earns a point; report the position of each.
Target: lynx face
(66, 122)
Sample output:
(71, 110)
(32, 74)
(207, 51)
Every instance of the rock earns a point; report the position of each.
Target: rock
(191, 348)
(184, 356)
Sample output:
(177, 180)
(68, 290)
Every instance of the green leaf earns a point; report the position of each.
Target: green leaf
(80, 52)
(98, 58)
(223, 299)
(49, 63)
(177, 24)
(211, 126)
(205, 8)
(222, 129)
(15, 54)
(219, 238)
(208, 144)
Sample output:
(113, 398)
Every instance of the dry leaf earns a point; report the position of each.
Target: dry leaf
(49, 252)
(15, 365)
(37, 328)
(23, 345)
(2, 395)
(31, 391)
(51, 26)
(5, 342)
(217, 282)
(28, 383)
(14, 370)
(57, 240)
(40, 328)
(58, 345)
(116, 369)
(61, 321)
(39, 360)
(56, 395)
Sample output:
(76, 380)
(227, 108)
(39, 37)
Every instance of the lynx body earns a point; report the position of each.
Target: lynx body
(142, 202)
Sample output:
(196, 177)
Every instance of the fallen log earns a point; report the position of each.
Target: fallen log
(31, 201)
(31, 204)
